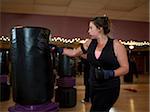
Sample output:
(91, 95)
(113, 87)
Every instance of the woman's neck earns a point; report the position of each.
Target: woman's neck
(102, 39)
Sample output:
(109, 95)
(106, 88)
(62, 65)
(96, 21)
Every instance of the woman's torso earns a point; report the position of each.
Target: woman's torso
(107, 60)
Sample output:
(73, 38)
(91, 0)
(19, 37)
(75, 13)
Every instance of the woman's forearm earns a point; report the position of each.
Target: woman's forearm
(72, 52)
(121, 71)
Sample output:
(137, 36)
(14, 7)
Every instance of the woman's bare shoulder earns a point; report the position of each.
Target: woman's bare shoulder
(118, 47)
(87, 43)
(117, 43)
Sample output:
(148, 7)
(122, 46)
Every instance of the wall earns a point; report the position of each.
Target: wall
(71, 27)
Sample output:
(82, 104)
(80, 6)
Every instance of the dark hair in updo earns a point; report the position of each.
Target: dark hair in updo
(102, 22)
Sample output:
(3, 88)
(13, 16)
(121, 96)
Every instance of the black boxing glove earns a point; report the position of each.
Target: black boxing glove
(102, 74)
(57, 49)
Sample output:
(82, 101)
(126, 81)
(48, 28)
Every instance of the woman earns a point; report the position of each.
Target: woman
(108, 60)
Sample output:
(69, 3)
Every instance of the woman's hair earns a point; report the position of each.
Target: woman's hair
(103, 22)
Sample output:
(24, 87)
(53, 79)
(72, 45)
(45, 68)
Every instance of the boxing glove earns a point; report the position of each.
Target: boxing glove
(57, 49)
(102, 74)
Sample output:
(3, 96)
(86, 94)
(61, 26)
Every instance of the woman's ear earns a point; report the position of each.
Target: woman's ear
(100, 29)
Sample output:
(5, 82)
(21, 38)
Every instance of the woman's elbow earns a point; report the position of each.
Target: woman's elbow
(126, 70)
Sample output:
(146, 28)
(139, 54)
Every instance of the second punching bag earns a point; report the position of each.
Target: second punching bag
(64, 66)
(32, 76)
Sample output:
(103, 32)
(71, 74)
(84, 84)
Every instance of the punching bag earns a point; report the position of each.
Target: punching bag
(65, 94)
(4, 71)
(32, 77)
(64, 66)
(4, 62)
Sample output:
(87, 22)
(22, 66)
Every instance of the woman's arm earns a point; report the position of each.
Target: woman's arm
(76, 52)
(121, 54)
(72, 52)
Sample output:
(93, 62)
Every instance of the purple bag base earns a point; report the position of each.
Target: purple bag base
(46, 107)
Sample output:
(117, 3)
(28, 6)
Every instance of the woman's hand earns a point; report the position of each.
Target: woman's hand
(57, 49)
(102, 74)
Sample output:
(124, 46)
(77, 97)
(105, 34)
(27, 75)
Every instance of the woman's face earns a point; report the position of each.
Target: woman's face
(93, 30)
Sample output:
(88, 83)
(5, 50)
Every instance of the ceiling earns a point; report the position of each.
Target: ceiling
(132, 10)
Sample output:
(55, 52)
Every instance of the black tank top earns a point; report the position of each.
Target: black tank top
(107, 61)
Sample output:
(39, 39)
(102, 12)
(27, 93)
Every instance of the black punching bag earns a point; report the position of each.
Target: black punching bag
(64, 66)
(4, 71)
(31, 66)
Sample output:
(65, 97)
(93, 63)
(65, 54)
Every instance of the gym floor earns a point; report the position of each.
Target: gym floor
(134, 97)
